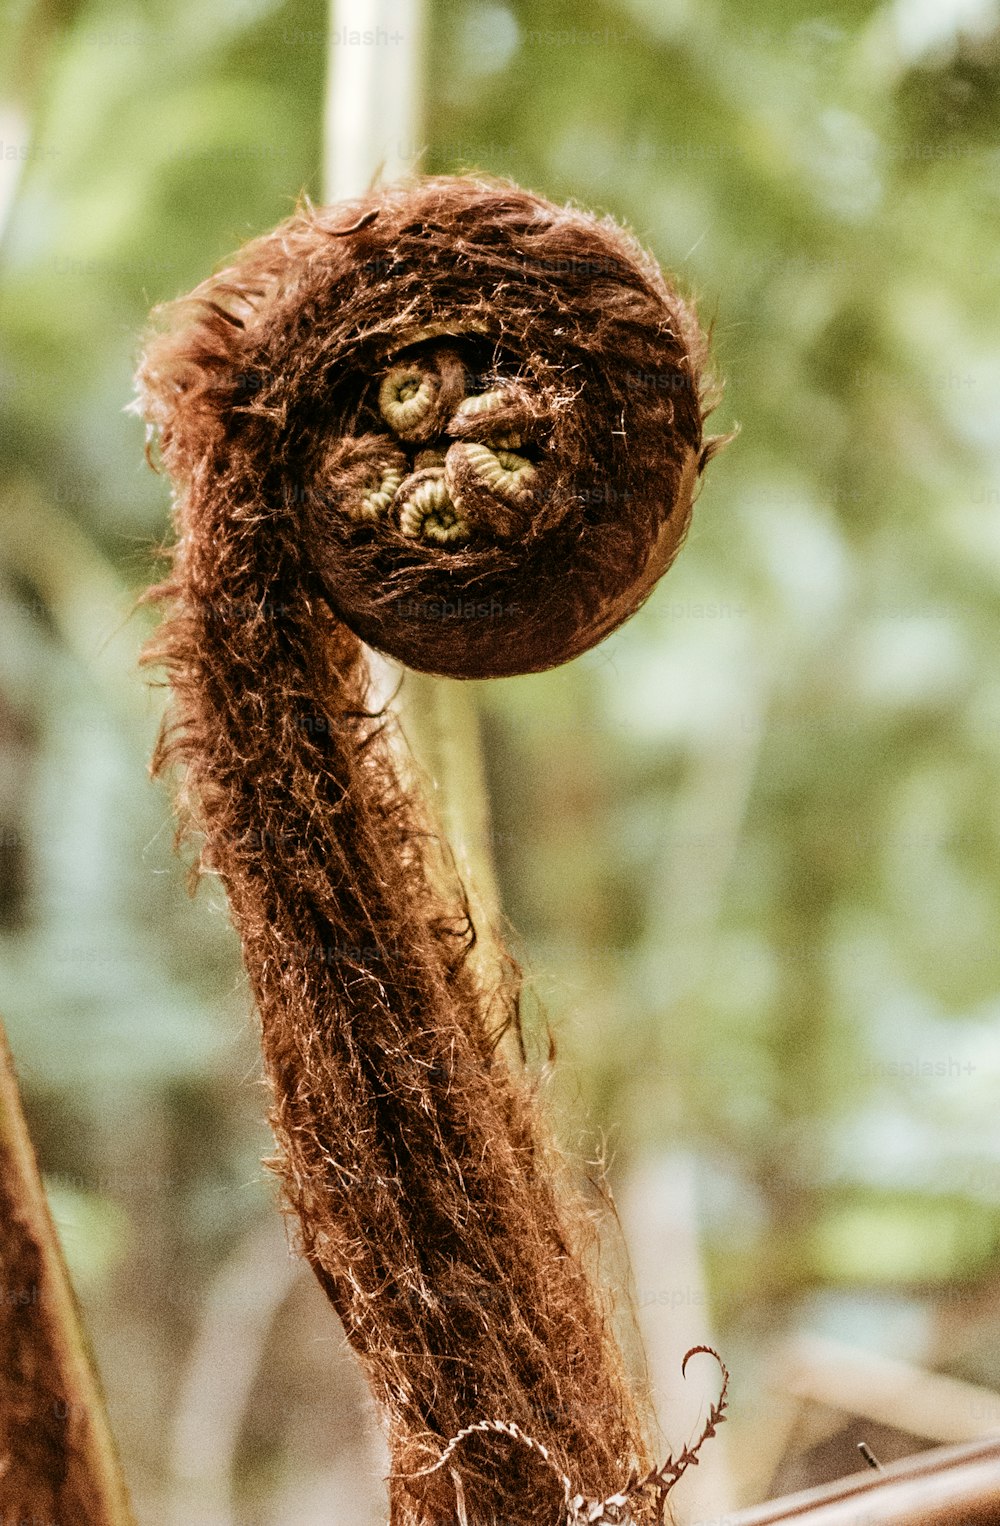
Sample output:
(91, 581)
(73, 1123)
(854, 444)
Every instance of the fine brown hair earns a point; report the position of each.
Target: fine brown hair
(464, 425)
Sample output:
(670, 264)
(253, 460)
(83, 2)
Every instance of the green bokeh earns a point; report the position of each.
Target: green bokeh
(751, 845)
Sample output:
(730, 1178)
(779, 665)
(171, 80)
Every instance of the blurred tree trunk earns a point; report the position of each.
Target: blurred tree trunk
(57, 1457)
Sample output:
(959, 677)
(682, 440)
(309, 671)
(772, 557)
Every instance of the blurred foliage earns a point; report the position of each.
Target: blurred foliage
(750, 846)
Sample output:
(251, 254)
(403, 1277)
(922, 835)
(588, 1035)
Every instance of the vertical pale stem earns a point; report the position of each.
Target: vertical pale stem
(372, 130)
(441, 725)
(661, 1219)
(373, 104)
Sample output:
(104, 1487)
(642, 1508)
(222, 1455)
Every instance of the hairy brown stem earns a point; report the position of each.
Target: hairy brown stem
(410, 1156)
(465, 426)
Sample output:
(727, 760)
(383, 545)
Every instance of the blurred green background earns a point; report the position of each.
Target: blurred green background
(750, 845)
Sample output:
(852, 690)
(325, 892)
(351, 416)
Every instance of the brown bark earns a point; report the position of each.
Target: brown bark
(57, 1459)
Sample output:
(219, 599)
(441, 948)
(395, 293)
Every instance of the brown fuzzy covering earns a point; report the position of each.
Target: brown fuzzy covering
(331, 486)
